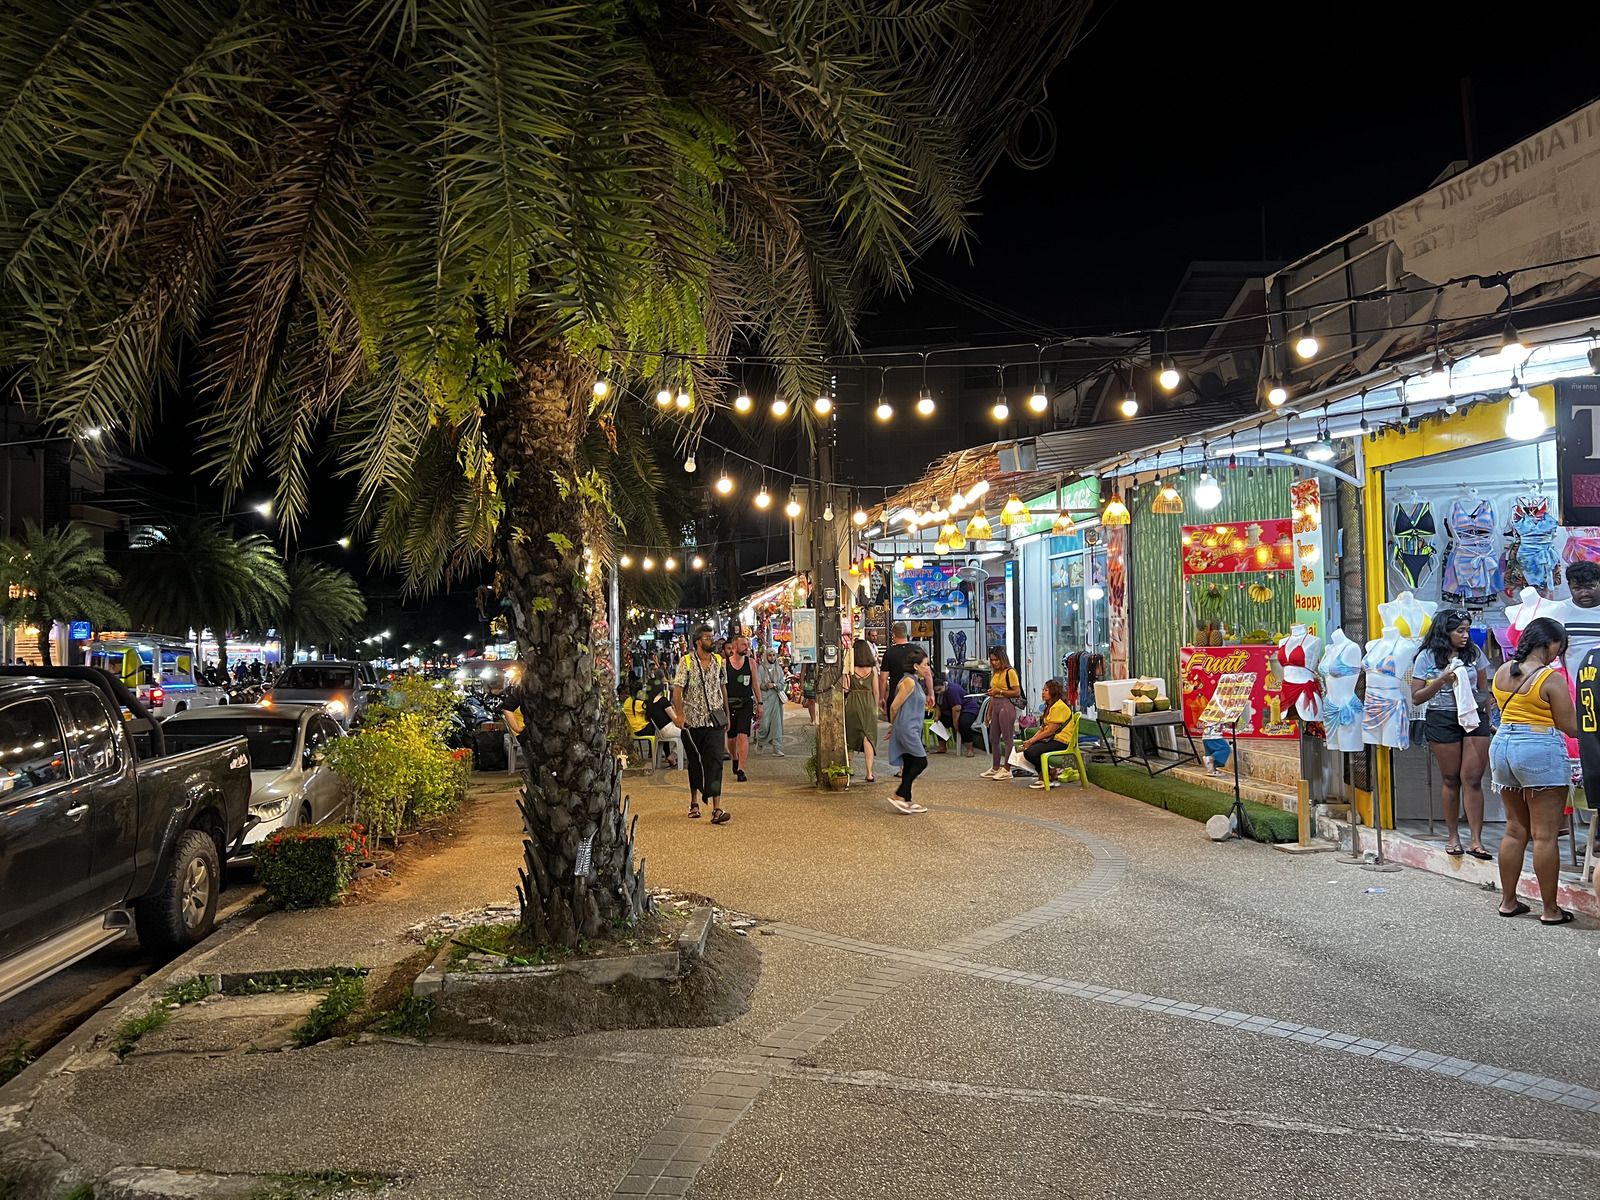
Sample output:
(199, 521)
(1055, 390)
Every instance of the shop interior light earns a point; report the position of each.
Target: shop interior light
(743, 403)
(859, 517)
(602, 388)
(684, 399)
(979, 526)
(1277, 394)
(1038, 401)
(1208, 492)
(1096, 592)
(1130, 404)
(1169, 377)
(1167, 500)
(1063, 526)
(763, 498)
(942, 546)
(1116, 512)
(780, 406)
(952, 534)
(823, 405)
(724, 484)
(1306, 345)
(689, 464)
(664, 398)
(1001, 409)
(1525, 419)
(1015, 512)
(885, 409)
(925, 403)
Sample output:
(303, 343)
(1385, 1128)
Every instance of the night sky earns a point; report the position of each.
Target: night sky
(1179, 127)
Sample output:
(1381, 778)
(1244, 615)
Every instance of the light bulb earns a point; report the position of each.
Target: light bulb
(792, 508)
(780, 406)
(688, 464)
(1096, 592)
(724, 484)
(1038, 401)
(602, 388)
(916, 562)
(827, 512)
(977, 489)
(648, 563)
(1306, 345)
(1277, 394)
(859, 517)
(1001, 409)
(1321, 451)
(885, 410)
(925, 403)
(671, 563)
(1511, 348)
(684, 400)
(1169, 377)
(1208, 492)
(1525, 419)
(824, 405)
(1130, 404)
(762, 498)
(664, 398)
(743, 402)
(697, 562)
(625, 561)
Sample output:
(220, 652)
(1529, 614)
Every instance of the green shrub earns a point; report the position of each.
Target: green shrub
(1192, 801)
(13, 1061)
(134, 1028)
(305, 866)
(399, 772)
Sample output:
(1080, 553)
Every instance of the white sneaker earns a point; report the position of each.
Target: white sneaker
(1002, 773)
(779, 753)
(989, 774)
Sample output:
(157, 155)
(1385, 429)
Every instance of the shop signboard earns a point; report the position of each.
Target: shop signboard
(81, 631)
(1578, 450)
(803, 645)
(1309, 598)
(932, 591)
(1202, 670)
(1239, 546)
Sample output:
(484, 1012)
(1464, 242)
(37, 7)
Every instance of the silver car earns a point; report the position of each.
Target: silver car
(342, 689)
(288, 786)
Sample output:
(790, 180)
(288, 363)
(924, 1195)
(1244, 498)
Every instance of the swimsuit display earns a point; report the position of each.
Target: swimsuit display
(1471, 569)
(1530, 548)
(1302, 690)
(1413, 551)
(1342, 709)
(1583, 544)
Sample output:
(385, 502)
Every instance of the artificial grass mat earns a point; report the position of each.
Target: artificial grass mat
(1193, 801)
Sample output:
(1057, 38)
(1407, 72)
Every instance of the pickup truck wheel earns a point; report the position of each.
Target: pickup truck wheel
(182, 907)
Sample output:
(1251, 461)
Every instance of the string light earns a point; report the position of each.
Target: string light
(648, 563)
(823, 405)
(780, 406)
(1169, 377)
(689, 464)
(1208, 492)
(671, 564)
(859, 517)
(763, 498)
(724, 484)
(664, 398)
(1277, 394)
(1306, 345)
(827, 512)
(743, 403)
(602, 388)
(885, 409)
(793, 507)
(625, 561)
(1001, 409)
(1130, 404)
(697, 562)
(684, 400)
(1038, 401)
(925, 403)
(1512, 348)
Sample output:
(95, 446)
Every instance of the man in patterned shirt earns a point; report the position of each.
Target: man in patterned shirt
(700, 695)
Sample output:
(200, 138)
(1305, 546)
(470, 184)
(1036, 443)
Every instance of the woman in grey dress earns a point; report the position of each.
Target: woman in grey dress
(906, 750)
(771, 682)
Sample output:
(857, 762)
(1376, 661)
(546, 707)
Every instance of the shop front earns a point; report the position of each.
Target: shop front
(1061, 554)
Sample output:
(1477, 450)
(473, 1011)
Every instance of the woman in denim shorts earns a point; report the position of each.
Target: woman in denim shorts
(1528, 762)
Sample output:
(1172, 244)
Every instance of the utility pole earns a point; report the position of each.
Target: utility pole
(825, 598)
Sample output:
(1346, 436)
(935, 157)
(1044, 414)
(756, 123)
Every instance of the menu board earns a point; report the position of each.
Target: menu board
(932, 591)
(1239, 546)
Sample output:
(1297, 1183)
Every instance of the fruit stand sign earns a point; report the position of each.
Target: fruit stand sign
(1238, 546)
(1203, 672)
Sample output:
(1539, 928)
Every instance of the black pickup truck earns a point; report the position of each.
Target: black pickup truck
(100, 829)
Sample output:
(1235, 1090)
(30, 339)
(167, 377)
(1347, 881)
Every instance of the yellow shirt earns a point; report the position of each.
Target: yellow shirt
(1061, 715)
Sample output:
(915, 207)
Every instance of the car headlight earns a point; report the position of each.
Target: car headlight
(335, 706)
(270, 809)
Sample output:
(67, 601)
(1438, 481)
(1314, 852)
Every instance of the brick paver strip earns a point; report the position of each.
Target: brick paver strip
(666, 1167)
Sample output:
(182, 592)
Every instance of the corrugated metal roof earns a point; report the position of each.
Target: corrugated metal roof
(1071, 450)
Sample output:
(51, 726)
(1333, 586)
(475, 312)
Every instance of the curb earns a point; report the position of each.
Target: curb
(34, 1169)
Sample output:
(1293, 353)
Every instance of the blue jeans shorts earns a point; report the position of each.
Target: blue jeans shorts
(1528, 756)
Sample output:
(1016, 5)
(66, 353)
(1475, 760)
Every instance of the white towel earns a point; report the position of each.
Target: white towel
(1466, 702)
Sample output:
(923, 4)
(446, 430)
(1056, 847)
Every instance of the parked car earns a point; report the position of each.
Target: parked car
(288, 785)
(160, 670)
(101, 829)
(342, 689)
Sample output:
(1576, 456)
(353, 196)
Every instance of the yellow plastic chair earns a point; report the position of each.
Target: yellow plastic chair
(1070, 751)
(650, 739)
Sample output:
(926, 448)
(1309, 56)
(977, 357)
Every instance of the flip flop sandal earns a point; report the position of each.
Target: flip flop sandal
(1482, 855)
(1517, 911)
(694, 812)
(1564, 919)
(721, 817)
(1456, 853)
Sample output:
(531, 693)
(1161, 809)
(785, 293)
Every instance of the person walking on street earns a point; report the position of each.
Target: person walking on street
(771, 680)
(894, 664)
(906, 750)
(861, 703)
(700, 695)
(744, 704)
(1004, 688)
(1528, 763)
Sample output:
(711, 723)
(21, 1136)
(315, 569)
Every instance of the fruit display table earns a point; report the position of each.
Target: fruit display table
(1140, 747)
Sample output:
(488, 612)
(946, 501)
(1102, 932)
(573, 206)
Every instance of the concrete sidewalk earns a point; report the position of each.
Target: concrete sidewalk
(1018, 994)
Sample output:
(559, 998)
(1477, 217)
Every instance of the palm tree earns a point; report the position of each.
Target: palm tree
(56, 575)
(323, 606)
(193, 573)
(413, 233)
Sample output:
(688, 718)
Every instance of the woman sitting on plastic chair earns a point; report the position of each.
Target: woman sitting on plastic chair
(1058, 719)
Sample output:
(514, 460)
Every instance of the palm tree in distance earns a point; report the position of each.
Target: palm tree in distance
(322, 607)
(56, 575)
(193, 573)
(417, 235)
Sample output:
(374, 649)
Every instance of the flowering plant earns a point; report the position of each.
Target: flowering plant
(307, 866)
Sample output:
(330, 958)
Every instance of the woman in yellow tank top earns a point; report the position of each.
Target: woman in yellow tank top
(1528, 762)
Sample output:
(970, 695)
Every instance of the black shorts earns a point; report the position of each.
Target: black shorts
(740, 715)
(1443, 728)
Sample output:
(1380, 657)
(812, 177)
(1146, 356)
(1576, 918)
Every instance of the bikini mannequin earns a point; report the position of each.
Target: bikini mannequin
(1298, 655)
(1386, 716)
(1533, 605)
(1341, 708)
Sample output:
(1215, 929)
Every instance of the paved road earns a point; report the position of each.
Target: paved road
(1016, 995)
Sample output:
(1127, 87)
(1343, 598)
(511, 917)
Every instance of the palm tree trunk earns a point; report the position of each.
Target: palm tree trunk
(222, 650)
(573, 779)
(44, 644)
